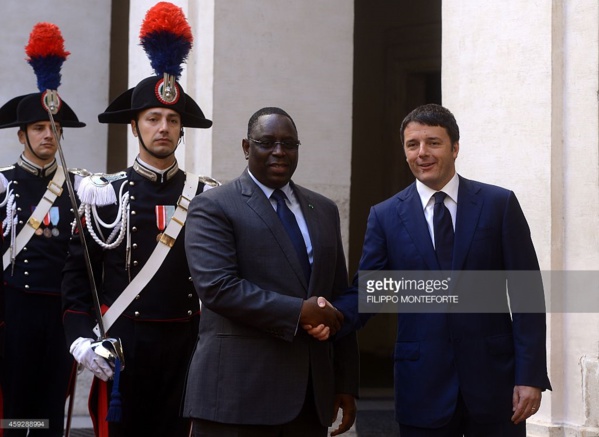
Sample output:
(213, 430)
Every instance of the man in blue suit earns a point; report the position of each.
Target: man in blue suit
(472, 374)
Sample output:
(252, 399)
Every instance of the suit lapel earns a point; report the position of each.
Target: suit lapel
(411, 214)
(258, 202)
(468, 213)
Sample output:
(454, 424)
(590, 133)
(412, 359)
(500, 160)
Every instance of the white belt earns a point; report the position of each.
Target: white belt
(52, 192)
(167, 240)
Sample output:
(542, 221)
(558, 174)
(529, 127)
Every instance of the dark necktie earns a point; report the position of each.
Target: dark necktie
(293, 230)
(443, 229)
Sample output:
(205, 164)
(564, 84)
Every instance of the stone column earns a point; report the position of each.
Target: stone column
(522, 78)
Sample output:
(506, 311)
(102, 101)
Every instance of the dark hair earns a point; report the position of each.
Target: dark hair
(432, 114)
(268, 111)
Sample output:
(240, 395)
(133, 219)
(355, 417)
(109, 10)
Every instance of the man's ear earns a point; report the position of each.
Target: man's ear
(455, 148)
(245, 145)
(22, 137)
(134, 128)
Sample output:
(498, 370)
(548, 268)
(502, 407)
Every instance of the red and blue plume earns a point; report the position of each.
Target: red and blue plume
(46, 54)
(166, 37)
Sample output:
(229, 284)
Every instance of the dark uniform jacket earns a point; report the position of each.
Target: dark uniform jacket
(38, 266)
(32, 282)
(170, 295)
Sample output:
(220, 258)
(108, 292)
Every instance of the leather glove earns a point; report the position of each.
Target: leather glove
(82, 351)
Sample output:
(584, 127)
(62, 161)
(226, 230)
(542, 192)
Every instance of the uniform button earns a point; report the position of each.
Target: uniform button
(134, 229)
(26, 273)
(26, 286)
(132, 197)
(135, 263)
(19, 209)
(136, 313)
(26, 261)
(190, 312)
(17, 195)
(190, 295)
(189, 279)
(134, 245)
(15, 182)
(20, 222)
(131, 183)
(25, 249)
(137, 297)
(133, 213)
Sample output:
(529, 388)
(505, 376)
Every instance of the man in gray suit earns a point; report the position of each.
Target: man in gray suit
(255, 371)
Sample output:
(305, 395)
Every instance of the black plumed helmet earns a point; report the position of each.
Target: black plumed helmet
(166, 37)
(46, 54)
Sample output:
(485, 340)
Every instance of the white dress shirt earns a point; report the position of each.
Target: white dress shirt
(428, 201)
(295, 208)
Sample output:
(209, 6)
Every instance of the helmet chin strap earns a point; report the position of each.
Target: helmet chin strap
(155, 155)
(31, 148)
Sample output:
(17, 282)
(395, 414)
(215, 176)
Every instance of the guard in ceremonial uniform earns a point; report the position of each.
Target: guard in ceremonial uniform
(36, 214)
(134, 222)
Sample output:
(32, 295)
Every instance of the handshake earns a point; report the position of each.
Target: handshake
(320, 318)
(99, 357)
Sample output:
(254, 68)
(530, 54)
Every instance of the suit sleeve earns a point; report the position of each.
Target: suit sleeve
(211, 238)
(346, 353)
(374, 257)
(525, 289)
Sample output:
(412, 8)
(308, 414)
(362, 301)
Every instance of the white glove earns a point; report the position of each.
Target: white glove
(83, 353)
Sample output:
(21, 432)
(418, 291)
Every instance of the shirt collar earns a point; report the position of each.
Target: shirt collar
(152, 173)
(35, 169)
(268, 191)
(451, 189)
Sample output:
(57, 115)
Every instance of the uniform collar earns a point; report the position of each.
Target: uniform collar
(153, 174)
(35, 169)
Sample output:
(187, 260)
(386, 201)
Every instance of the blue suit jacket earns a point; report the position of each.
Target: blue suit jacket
(481, 356)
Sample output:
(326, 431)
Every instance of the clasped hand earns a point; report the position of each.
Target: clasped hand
(320, 318)
(82, 351)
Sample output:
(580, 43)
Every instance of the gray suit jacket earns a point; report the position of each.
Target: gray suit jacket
(252, 362)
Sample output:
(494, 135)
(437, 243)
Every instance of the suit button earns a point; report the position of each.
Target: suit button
(136, 313)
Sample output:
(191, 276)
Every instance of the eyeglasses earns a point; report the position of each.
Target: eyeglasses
(270, 144)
